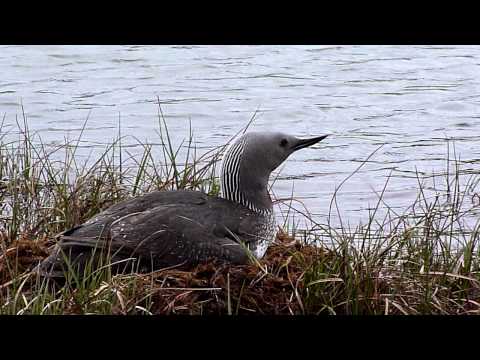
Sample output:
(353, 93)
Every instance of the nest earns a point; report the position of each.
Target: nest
(270, 286)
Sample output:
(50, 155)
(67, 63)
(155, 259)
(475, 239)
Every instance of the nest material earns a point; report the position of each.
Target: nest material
(266, 287)
(22, 255)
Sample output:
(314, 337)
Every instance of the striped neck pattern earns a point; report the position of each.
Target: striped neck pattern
(230, 177)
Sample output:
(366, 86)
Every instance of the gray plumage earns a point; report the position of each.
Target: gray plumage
(183, 228)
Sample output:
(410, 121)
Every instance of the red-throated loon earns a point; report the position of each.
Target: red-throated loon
(169, 228)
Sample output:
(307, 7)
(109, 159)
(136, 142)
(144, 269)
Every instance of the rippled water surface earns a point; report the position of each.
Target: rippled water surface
(410, 98)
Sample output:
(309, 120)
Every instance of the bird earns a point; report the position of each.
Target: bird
(183, 228)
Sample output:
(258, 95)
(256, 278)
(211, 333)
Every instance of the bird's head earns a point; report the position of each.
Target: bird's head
(249, 161)
(268, 150)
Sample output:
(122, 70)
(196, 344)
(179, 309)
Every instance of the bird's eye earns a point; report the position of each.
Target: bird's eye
(283, 143)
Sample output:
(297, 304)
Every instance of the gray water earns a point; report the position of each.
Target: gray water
(410, 98)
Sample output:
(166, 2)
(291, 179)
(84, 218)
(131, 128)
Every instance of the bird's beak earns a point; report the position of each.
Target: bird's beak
(303, 143)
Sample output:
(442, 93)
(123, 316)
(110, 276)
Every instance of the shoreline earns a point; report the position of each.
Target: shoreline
(425, 260)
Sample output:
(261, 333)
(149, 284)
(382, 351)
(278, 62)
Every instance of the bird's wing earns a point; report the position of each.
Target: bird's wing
(175, 233)
(162, 229)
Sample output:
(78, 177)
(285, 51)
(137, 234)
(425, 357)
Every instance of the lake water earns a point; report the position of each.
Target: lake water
(410, 98)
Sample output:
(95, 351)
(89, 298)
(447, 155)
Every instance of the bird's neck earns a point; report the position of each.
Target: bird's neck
(255, 196)
(242, 182)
